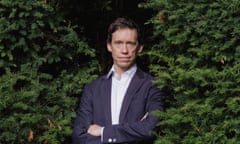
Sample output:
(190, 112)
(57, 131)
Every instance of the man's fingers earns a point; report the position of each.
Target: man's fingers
(94, 130)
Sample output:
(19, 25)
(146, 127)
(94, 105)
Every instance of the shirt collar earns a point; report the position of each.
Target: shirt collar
(130, 71)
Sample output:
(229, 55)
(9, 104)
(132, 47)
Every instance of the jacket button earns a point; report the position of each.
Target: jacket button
(110, 140)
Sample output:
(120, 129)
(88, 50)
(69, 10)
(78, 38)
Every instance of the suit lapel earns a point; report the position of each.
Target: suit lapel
(132, 89)
(107, 100)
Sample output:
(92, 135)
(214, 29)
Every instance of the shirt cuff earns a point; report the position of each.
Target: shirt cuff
(102, 134)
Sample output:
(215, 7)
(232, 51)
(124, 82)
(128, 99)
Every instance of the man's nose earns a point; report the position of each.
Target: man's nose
(124, 48)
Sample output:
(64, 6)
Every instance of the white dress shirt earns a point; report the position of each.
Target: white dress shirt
(119, 87)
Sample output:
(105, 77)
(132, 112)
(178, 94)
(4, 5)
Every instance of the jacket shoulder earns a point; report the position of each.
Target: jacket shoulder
(98, 81)
(143, 75)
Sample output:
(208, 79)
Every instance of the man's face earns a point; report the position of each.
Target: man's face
(124, 48)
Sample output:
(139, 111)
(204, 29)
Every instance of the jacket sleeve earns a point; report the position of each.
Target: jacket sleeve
(83, 119)
(141, 129)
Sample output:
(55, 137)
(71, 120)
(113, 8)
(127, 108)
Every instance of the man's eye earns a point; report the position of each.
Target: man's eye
(131, 44)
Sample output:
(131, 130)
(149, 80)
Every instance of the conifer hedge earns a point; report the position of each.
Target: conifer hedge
(196, 57)
(43, 66)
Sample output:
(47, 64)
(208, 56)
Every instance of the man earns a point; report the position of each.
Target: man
(116, 108)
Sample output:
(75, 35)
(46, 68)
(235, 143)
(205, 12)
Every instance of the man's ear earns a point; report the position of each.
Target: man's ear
(109, 47)
(140, 48)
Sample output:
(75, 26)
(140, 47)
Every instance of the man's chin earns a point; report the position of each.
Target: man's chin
(125, 65)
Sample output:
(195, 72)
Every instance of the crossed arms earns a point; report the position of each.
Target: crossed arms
(137, 126)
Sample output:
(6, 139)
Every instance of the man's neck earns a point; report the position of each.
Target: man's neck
(120, 71)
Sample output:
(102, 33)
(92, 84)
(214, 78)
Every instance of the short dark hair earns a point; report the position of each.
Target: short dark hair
(121, 23)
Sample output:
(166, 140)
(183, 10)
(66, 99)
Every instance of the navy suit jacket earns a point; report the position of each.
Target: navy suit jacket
(142, 96)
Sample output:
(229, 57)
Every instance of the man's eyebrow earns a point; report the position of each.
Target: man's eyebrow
(132, 42)
(128, 41)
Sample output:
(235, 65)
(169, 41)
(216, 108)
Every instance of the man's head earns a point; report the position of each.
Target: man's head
(121, 23)
(124, 43)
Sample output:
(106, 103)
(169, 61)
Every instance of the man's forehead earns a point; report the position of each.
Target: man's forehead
(125, 34)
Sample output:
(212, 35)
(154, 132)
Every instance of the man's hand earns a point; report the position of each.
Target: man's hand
(94, 130)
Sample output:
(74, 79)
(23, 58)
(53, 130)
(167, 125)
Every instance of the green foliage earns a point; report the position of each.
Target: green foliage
(195, 56)
(43, 68)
